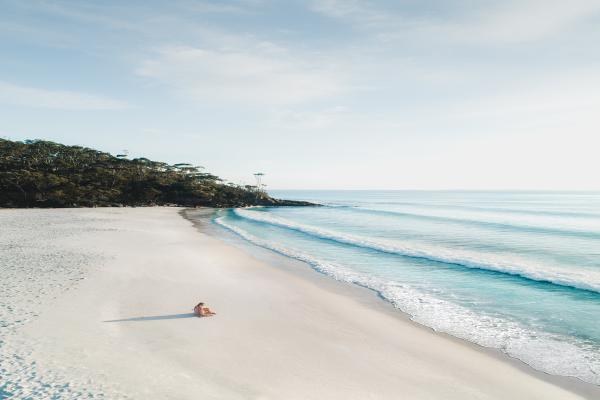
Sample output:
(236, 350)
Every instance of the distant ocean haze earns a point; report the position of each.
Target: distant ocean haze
(516, 271)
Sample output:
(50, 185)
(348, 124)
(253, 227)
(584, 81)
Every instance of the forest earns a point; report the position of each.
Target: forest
(40, 173)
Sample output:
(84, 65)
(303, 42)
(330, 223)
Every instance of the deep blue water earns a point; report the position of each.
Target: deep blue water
(517, 271)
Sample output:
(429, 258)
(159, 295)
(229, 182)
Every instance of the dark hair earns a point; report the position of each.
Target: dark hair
(200, 304)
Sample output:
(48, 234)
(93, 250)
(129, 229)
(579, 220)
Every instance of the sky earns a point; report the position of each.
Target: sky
(323, 94)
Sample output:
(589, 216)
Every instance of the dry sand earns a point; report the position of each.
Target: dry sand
(127, 329)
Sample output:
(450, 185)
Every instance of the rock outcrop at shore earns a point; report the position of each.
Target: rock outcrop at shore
(269, 201)
(38, 173)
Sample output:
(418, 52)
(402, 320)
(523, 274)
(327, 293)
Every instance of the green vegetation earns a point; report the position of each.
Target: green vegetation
(38, 173)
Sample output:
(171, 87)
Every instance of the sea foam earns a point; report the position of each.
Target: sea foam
(552, 353)
(585, 279)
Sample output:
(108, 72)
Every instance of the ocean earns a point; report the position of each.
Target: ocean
(515, 271)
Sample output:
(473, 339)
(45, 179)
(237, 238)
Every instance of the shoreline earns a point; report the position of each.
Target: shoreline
(373, 299)
(126, 331)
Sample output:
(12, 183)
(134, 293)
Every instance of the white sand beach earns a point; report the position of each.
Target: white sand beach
(281, 331)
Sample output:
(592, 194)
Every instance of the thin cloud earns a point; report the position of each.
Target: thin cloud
(318, 119)
(31, 33)
(571, 97)
(56, 99)
(234, 7)
(265, 74)
(504, 22)
(358, 12)
(522, 21)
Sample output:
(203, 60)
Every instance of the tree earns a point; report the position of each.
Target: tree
(38, 173)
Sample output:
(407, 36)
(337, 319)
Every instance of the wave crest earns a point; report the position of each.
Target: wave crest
(541, 350)
(579, 279)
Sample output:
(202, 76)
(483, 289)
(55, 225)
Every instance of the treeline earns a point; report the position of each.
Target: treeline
(38, 173)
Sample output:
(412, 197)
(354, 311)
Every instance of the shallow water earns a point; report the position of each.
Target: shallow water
(517, 271)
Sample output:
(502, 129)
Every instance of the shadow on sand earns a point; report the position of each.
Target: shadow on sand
(154, 318)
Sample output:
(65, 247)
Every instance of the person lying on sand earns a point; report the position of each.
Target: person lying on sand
(202, 311)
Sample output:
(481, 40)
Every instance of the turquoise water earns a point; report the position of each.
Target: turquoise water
(517, 271)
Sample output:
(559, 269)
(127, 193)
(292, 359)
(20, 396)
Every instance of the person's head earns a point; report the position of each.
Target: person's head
(200, 304)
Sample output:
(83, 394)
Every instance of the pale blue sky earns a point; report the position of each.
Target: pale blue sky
(316, 94)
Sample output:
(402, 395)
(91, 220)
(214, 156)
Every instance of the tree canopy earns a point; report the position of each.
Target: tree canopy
(39, 173)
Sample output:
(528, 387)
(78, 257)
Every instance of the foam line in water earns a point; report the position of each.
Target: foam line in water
(489, 224)
(579, 279)
(551, 353)
(502, 210)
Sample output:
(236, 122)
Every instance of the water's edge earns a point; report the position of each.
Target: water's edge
(203, 220)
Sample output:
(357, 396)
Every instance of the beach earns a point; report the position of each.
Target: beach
(123, 327)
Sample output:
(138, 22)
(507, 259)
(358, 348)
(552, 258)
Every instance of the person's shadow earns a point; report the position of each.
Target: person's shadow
(154, 318)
